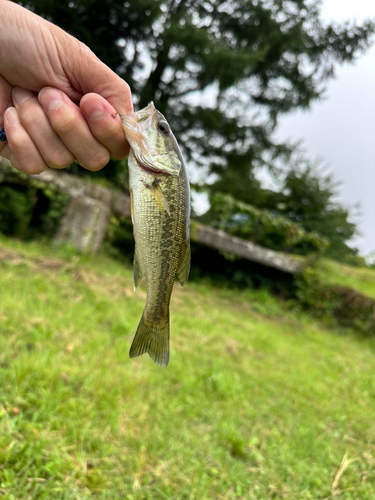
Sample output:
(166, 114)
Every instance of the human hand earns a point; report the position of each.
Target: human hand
(50, 130)
(46, 127)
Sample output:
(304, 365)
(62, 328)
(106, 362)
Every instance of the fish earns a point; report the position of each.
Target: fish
(160, 212)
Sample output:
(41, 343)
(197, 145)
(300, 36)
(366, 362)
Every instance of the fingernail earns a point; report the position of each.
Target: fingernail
(21, 95)
(12, 116)
(92, 107)
(50, 99)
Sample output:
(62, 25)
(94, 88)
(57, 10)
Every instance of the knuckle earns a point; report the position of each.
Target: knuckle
(96, 161)
(16, 141)
(65, 124)
(28, 115)
(126, 86)
(61, 161)
(110, 130)
(121, 151)
(29, 168)
(13, 160)
(35, 169)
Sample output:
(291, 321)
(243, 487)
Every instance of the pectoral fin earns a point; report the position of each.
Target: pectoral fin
(159, 195)
(137, 271)
(183, 270)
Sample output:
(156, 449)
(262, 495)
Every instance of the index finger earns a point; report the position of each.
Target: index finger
(105, 124)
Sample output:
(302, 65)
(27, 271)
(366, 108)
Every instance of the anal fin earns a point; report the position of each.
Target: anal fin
(184, 269)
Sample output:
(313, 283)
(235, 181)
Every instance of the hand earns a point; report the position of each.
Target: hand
(50, 130)
(46, 127)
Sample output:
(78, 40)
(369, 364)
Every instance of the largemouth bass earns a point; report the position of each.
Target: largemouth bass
(160, 208)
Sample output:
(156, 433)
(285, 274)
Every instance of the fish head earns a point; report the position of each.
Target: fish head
(152, 141)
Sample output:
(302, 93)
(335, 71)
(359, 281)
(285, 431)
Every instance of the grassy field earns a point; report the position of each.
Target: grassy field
(257, 402)
(359, 278)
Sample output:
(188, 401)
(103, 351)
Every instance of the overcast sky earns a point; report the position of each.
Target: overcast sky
(340, 130)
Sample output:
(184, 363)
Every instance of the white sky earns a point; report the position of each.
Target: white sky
(340, 130)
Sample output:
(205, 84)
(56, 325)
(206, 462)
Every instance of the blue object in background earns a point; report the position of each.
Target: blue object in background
(3, 137)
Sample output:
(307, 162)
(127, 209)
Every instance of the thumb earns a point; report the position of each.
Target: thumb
(88, 74)
(113, 88)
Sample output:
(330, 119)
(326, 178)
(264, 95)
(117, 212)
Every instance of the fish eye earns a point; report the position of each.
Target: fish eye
(164, 128)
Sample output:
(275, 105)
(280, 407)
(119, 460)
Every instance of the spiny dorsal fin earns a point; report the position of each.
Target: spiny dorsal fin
(184, 269)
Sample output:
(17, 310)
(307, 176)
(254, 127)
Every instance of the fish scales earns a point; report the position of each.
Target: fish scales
(160, 200)
(159, 247)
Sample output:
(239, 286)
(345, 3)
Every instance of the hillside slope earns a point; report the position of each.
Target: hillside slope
(256, 403)
(360, 278)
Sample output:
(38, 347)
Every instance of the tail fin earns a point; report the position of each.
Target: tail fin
(154, 339)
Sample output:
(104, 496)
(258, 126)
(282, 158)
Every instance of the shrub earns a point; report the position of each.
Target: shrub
(29, 208)
(347, 306)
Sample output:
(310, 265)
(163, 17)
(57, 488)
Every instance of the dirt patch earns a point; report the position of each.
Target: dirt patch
(111, 284)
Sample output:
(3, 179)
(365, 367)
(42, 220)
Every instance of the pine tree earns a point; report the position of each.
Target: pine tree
(255, 59)
(223, 71)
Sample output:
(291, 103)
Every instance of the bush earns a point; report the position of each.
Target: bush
(262, 227)
(29, 208)
(16, 208)
(347, 306)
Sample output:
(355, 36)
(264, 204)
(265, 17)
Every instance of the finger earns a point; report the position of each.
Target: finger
(105, 124)
(5, 102)
(68, 122)
(36, 123)
(21, 150)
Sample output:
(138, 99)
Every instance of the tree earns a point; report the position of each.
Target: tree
(302, 216)
(255, 59)
(309, 197)
(223, 71)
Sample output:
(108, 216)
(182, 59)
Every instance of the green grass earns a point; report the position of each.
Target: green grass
(359, 278)
(256, 403)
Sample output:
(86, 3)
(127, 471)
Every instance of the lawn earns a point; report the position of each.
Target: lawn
(257, 402)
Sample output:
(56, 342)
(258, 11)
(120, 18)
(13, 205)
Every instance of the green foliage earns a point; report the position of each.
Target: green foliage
(207, 264)
(29, 208)
(308, 197)
(115, 174)
(334, 302)
(258, 59)
(119, 240)
(15, 210)
(257, 402)
(360, 278)
(253, 61)
(262, 227)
